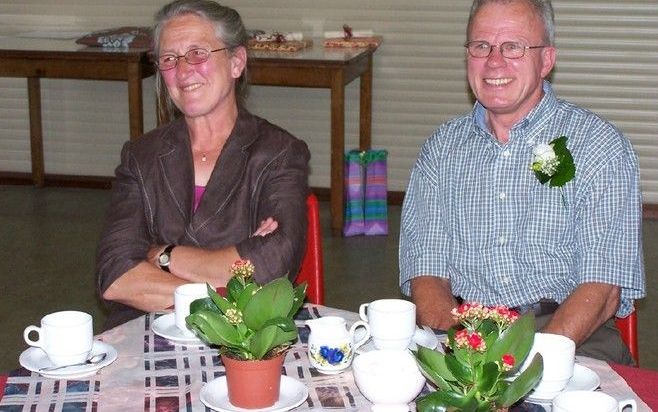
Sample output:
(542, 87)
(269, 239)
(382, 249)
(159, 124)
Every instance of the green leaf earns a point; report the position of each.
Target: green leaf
(285, 324)
(300, 295)
(433, 366)
(234, 287)
(214, 329)
(488, 377)
(221, 302)
(271, 301)
(516, 340)
(268, 338)
(435, 401)
(542, 177)
(460, 370)
(203, 304)
(245, 295)
(527, 380)
(566, 169)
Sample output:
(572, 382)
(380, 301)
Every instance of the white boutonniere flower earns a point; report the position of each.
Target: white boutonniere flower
(552, 163)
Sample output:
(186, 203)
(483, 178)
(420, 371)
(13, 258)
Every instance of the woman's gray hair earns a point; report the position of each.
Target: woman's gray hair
(543, 8)
(228, 28)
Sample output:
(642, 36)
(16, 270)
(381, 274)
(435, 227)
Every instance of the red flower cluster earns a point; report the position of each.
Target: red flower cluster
(508, 362)
(242, 268)
(465, 339)
(471, 314)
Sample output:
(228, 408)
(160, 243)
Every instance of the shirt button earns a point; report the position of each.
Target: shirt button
(502, 240)
(505, 279)
(507, 153)
(502, 195)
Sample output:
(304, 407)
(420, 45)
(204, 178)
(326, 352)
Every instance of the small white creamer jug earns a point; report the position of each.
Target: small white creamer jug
(331, 346)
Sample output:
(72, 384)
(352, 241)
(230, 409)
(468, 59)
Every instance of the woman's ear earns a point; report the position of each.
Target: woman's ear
(238, 61)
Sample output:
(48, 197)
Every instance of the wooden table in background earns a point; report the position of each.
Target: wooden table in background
(64, 59)
(328, 68)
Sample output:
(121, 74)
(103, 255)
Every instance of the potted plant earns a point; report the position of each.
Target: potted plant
(253, 326)
(483, 355)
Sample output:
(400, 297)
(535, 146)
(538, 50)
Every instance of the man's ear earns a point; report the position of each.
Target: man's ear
(549, 55)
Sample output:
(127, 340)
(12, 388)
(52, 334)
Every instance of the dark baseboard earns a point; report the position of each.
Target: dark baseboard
(649, 210)
(54, 180)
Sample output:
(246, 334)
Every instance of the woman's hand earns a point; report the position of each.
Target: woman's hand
(266, 227)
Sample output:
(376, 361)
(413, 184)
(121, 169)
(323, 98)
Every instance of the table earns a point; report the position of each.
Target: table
(329, 68)
(36, 58)
(153, 374)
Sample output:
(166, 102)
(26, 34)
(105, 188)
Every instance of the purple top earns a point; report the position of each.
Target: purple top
(198, 194)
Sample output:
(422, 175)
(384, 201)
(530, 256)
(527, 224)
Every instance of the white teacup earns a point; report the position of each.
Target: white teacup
(577, 401)
(392, 322)
(558, 353)
(184, 295)
(66, 337)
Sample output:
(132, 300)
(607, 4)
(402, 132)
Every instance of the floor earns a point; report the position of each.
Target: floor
(48, 242)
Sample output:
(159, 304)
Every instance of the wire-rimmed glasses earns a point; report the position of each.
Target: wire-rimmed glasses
(509, 49)
(199, 55)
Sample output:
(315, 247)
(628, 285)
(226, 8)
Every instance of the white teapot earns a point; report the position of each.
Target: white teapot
(331, 346)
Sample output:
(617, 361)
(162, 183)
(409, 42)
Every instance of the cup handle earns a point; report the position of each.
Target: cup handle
(26, 336)
(628, 402)
(362, 312)
(360, 324)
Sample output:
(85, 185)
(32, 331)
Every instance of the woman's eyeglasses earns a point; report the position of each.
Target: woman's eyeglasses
(193, 56)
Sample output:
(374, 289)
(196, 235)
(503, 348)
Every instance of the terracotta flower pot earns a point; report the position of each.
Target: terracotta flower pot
(253, 384)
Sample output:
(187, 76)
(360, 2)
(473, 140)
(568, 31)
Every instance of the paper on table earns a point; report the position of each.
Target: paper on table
(57, 35)
(355, 33)
(271, 36)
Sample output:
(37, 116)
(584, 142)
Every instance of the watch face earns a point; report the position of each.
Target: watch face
(163, 259)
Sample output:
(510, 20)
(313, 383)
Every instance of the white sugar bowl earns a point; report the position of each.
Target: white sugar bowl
(390, 379)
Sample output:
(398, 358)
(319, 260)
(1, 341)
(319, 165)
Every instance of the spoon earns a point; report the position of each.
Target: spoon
(98, 358)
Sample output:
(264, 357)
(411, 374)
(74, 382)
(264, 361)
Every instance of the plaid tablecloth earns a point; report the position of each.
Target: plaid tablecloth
(152, 374)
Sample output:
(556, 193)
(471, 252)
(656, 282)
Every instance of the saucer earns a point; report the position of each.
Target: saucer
(214, 395)
(583, 379)
(35, 358)
(165, 326)
(424, 337)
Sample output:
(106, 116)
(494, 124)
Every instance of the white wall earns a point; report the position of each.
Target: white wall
(608, 62)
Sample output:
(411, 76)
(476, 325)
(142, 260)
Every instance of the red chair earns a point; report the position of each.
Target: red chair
(312, 270)
(628, 329)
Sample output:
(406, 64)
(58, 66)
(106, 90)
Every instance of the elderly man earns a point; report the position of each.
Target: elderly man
(481, 223)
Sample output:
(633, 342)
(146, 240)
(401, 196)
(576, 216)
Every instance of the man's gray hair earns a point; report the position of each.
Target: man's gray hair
(543, 8)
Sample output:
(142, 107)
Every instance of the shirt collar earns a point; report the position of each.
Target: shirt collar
(538, 115)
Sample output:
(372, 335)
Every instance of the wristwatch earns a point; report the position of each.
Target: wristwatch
(164, 258)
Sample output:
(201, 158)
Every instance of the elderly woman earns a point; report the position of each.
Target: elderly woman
(213, 186)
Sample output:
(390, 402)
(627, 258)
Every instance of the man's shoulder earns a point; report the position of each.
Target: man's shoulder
(453, 130)
(586, 128)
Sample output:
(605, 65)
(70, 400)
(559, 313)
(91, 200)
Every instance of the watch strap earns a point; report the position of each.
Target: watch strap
(166, 252)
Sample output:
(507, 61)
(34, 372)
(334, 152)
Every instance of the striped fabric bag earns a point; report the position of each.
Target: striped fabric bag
(354, 194)
(376, 193)
(366, 191)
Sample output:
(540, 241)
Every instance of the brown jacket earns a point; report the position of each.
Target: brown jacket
(262, 171)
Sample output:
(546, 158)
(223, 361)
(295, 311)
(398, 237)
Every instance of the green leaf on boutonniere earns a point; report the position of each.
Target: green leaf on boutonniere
(566, 169)
(553, 163)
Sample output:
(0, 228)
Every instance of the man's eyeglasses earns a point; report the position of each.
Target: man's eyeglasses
(194, 56)
(509, 49)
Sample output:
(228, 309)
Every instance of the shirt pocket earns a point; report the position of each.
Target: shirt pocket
(547, 222)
